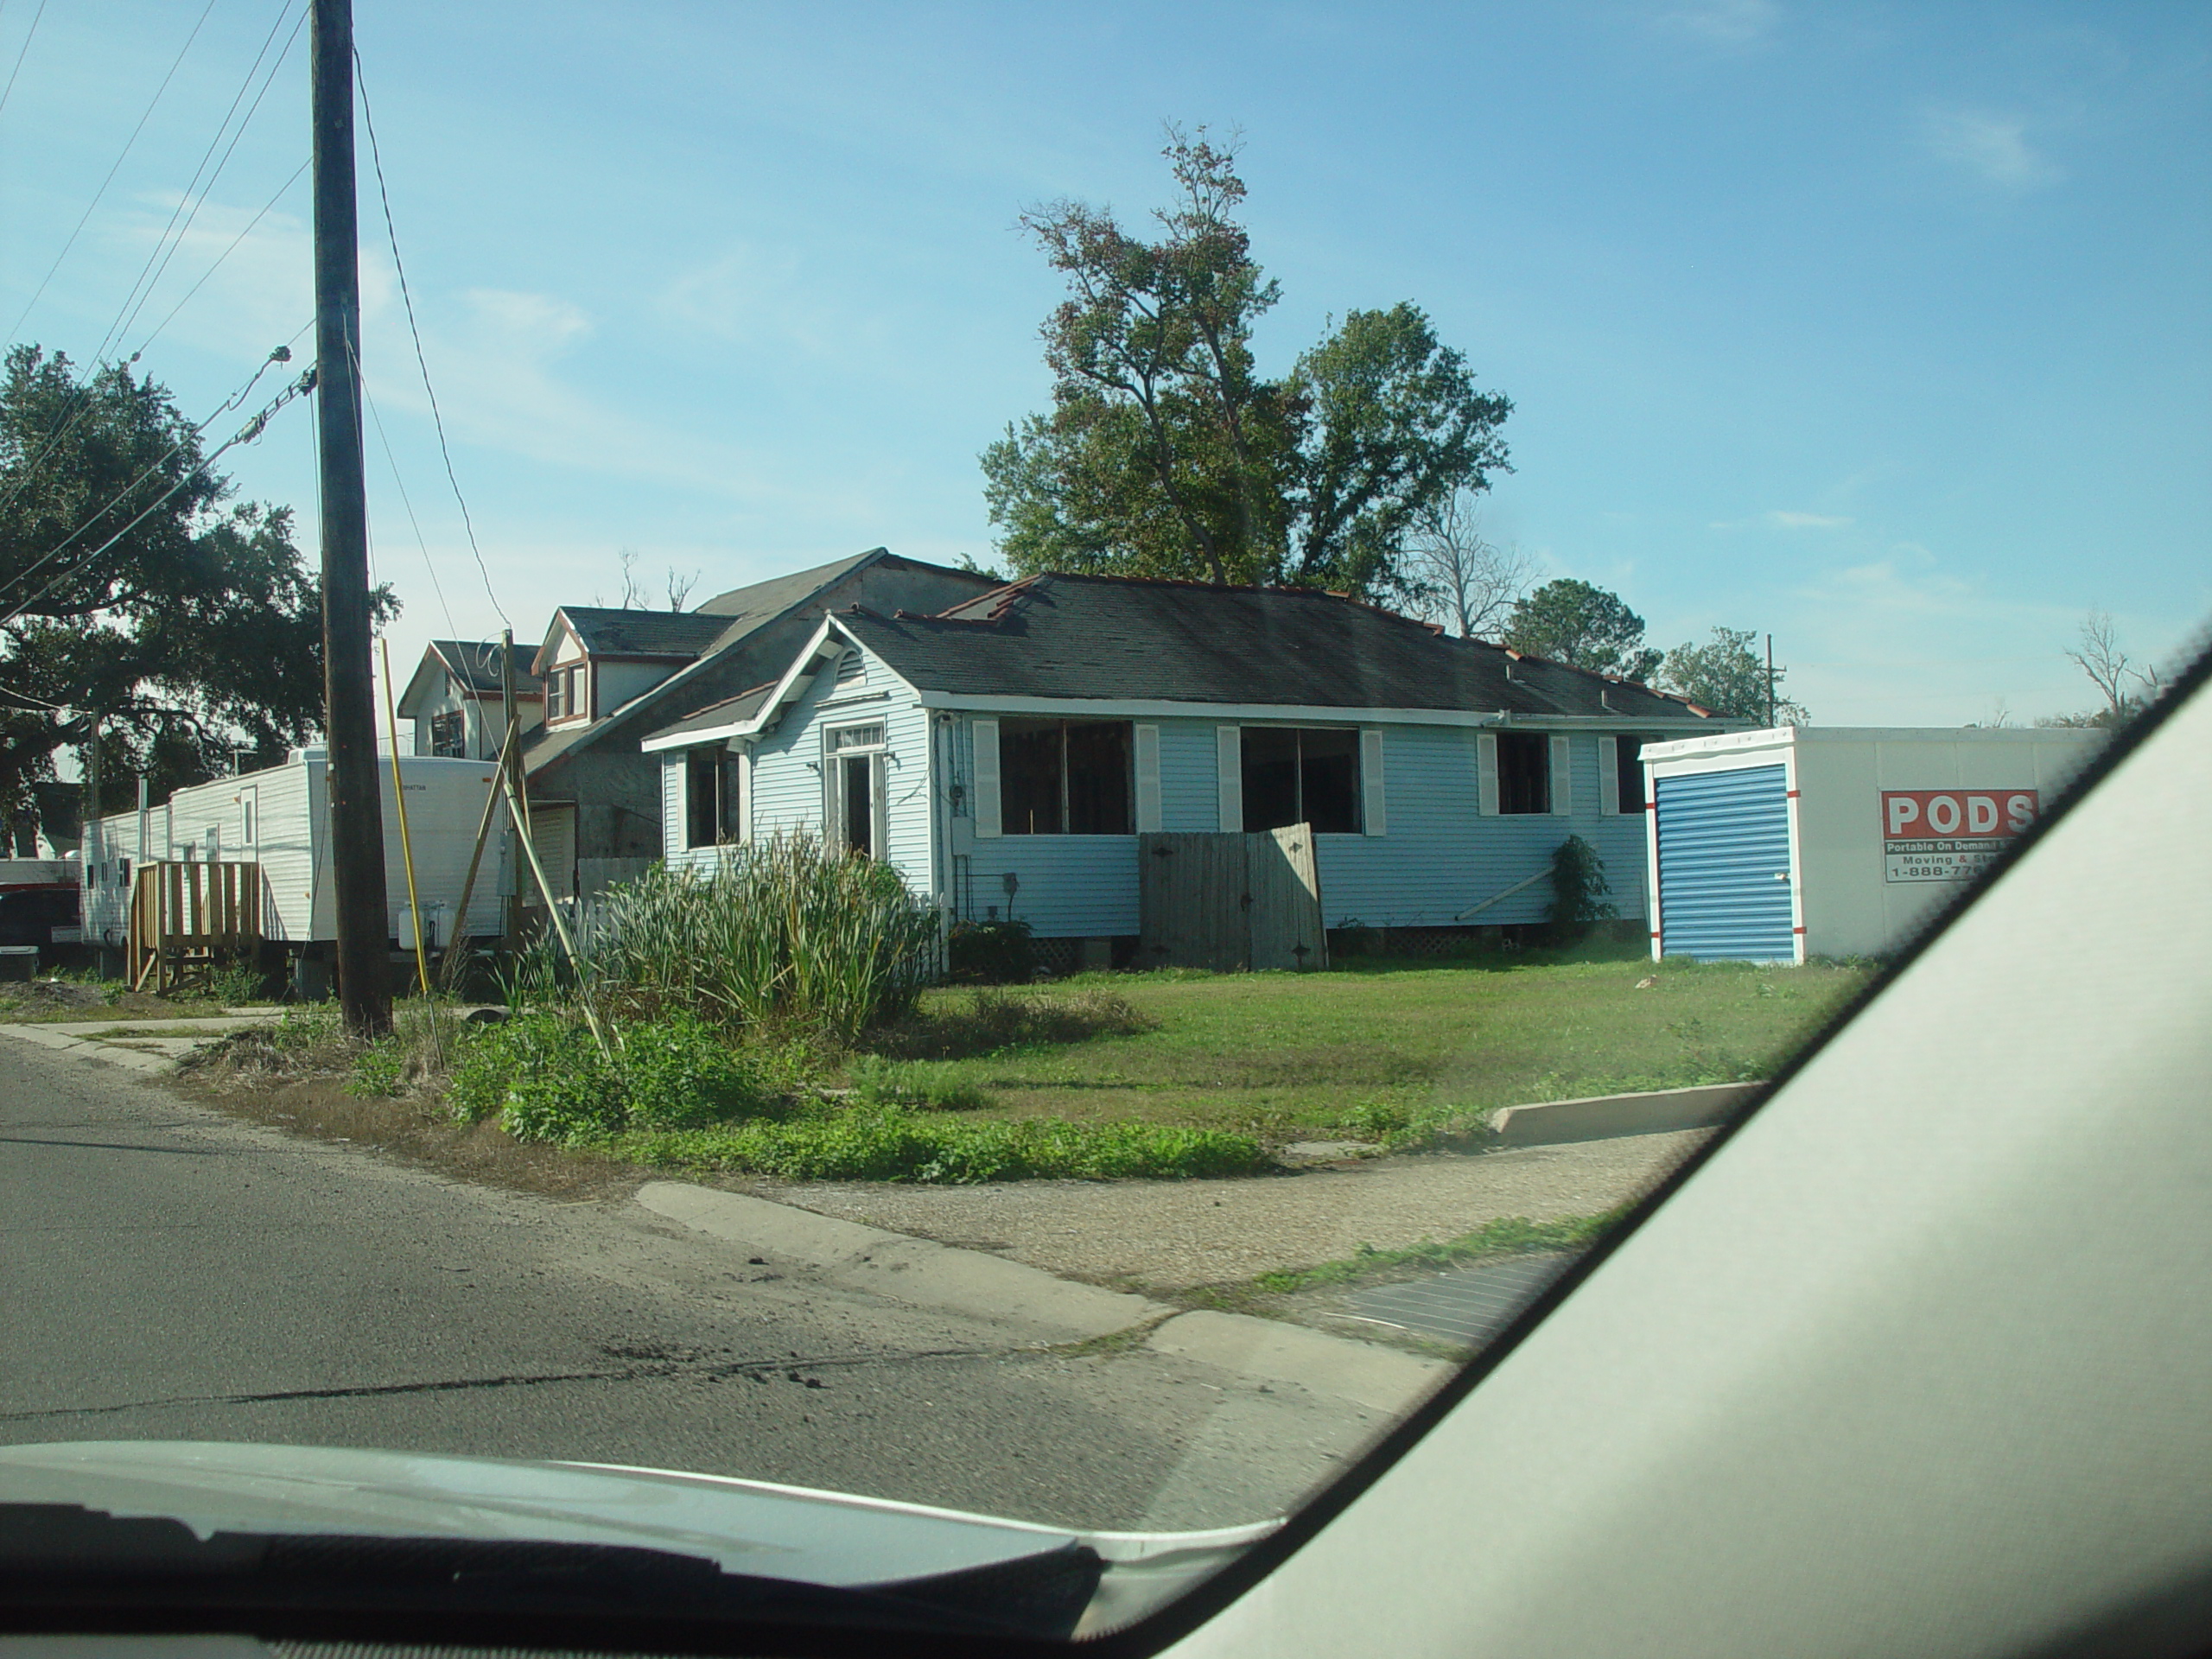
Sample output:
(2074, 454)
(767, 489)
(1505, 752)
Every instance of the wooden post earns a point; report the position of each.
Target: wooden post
(349, 712)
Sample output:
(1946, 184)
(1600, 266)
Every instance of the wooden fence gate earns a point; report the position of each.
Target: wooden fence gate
(1230, 902)
(188, 915)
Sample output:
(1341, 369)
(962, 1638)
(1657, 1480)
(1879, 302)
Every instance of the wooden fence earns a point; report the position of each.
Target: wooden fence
(187, 916)
(1230, 902)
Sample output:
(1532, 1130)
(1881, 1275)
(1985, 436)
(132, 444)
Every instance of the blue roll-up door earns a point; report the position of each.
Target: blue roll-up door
(1724, 865)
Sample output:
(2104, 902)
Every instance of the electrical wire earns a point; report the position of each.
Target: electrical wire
(376, 158)
(428, 563)
(20, 55)
(281, 354)
(127, 313)
(246, 434)
(266, 208)
(127, 143)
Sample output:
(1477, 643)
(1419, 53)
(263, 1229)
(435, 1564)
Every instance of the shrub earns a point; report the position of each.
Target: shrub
(546, 1079)
(782, 931)
(1578, 890)
(891, 1144)
(990, 953)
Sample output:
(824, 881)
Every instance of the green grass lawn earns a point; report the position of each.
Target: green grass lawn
(1376, 1046)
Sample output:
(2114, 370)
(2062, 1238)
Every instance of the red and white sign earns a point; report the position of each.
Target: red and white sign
(1947, 834)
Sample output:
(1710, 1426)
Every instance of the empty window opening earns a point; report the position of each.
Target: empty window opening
(1630, 769)
(709, 797)
(1064, 776)
(1524, 772)
(1301, 775)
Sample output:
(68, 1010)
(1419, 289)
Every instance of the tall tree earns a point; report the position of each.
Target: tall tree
(1569, 621)
(2125, 685)
(1727, 675)
(1456, 577)
(195, 635)
(1167, 453)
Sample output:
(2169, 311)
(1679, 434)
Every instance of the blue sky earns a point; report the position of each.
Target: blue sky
(1883, 327)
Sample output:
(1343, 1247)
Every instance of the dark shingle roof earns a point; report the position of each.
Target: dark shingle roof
(752, 606)
(609, 632)
(475, 664)
(1132, 640)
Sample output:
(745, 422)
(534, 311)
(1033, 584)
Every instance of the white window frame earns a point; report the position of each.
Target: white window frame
(834, 757)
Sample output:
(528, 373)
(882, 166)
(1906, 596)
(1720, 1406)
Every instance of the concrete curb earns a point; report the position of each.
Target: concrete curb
(90, 1049)
(922, 1273)
(1600, 1117)
(1381, 1378)
(902, 1269)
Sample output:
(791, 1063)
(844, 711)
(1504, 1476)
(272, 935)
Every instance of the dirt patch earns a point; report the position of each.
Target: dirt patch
(414, 1131)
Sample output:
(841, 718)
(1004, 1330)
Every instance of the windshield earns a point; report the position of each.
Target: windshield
(871, 816)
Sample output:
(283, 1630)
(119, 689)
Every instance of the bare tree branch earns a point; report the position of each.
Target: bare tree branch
(1458, 578)
(679, 588)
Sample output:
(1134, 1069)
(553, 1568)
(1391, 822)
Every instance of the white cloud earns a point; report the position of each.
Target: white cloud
(1781, 519)
(1992, 147)
(767, 299)
(1727, 23)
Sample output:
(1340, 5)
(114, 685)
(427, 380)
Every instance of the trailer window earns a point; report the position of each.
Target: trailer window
(1524, 772)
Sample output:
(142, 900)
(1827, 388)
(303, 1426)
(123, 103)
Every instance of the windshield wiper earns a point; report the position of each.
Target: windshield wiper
(91, 1569)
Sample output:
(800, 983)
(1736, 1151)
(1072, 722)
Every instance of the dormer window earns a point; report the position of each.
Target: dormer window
(566, 693)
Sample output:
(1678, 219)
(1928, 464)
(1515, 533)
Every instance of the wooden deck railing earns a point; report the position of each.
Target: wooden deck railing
(188, 915)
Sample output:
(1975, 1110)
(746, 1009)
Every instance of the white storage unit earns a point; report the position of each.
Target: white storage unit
(1772, 846)
(279, 819)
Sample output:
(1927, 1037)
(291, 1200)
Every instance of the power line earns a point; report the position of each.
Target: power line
(376, 158)
(127, 143)
(201, 200)
(246, 434)
(220, 257)
(127, 313)
(22, 54)
(453, 631)
(281, 354)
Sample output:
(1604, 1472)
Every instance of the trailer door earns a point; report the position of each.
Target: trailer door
(1724, 865)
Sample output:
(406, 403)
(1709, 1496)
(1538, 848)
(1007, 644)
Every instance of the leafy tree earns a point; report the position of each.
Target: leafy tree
(1167, 453)
(197, 634)
(1726, 676)
(1454, 576)
(1571, 621)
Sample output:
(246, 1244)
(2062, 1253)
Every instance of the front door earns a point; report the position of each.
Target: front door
(857, 789)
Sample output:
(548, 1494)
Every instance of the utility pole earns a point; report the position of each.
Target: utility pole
(510, 762)
(1770, 681)
(349, 701)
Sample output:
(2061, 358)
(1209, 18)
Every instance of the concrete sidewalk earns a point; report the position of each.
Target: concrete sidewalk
(1167, 1236)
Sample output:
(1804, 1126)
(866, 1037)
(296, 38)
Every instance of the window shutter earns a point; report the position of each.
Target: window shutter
(1147, 766)
(740, 788)
(1608, 775)
(1486, 774)
(1373, 817)
(1229, 765)
(833, 798)
(1562, 776)
(984, 734)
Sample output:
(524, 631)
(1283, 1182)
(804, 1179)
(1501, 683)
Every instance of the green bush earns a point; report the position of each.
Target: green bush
(1578, 890)
(990, 953)
(892, 1144)
(784, 932)
(546, 1079)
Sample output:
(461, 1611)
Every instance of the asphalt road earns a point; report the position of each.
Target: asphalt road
(168, 1273)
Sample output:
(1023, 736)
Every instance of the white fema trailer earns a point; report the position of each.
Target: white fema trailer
(278, 819)
(1775, 846)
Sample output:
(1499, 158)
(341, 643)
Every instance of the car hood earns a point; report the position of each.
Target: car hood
(747, 1527)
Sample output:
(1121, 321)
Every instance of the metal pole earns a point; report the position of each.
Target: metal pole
(406, 842)
(349, 717)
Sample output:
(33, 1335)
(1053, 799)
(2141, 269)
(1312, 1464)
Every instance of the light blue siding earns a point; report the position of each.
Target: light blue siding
(1440, 859)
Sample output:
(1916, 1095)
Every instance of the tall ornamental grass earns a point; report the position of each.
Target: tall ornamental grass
(784, 932)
